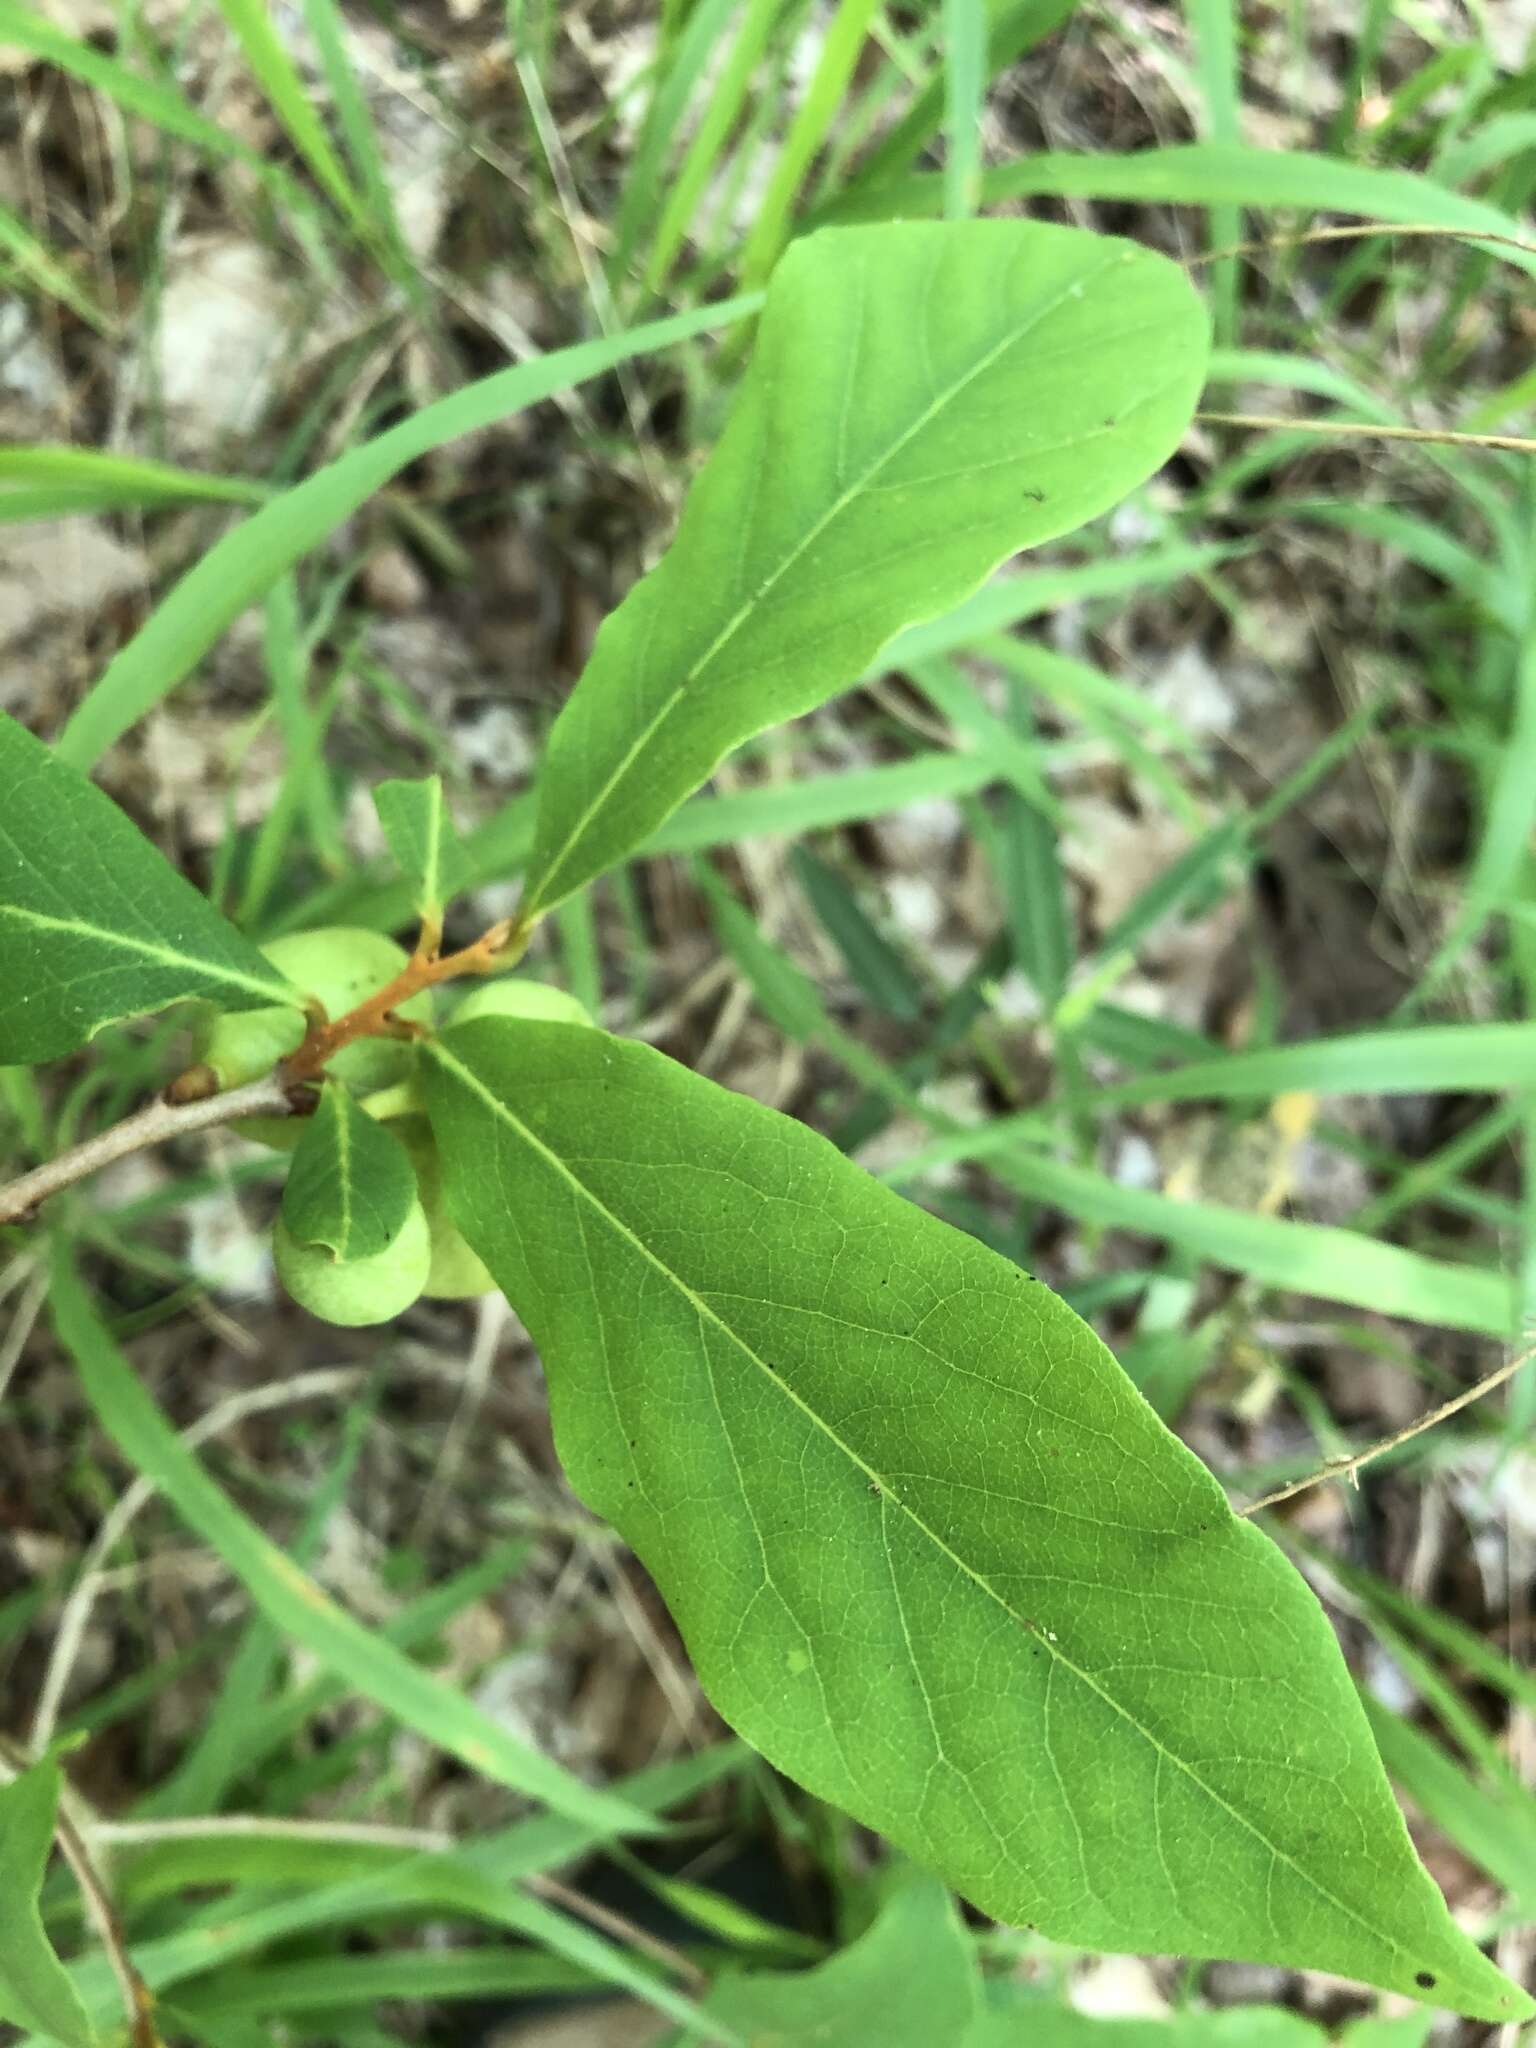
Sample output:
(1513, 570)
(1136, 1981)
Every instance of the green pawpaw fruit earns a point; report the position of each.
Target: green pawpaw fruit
(356, 1292)
(535, 1000)
(457, 1272)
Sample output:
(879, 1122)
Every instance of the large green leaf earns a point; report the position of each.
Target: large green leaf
(910, 1981)
(35, 1990)
(928, 1547)
(95, 925)
(923, 401)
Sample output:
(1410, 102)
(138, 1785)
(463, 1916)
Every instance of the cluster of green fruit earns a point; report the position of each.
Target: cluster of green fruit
(341, 967)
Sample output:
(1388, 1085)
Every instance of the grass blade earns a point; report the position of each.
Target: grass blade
(665, 115)
(1474, 1058)
(290, 1600)
(1215, 36)
(820, 802)
(1496, 1831)
(43, 482)
(721, 113)
(814, 115)
(274, 70)
(26, 259)
(1305, 1258)
(356, 124)
(153, 100)
(1008, 600)
(1212, 174)
(965, 79)
(1014, 28)
(878, 967)
(246, 562)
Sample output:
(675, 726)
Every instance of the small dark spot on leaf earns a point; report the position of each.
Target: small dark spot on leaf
(1036, 497)
(1425, 1979)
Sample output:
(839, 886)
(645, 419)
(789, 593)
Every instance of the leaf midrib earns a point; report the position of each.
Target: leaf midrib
(149, 949)
(431, 883)
(808, 539)
(344, 1173)
(707, 1313)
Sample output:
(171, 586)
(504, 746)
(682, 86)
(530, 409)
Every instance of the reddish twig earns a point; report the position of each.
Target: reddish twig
(376, 1018)
(191, 1103)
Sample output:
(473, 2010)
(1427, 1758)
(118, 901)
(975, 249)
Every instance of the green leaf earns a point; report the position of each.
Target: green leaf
(95, 925)
(910, 1981)
(35, 1990)
(929, 1549)
(422, 838)
(351, 1184)
(922, 402)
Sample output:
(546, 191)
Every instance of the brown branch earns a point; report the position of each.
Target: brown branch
(622, 1929)
(138, 2001)
(281, 1092)
(153, 1125)
(1364, 430)
(1347, 1467)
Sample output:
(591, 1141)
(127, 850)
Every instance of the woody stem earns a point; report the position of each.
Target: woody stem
(497, 948)
(152, 1125)
(279, 1093)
